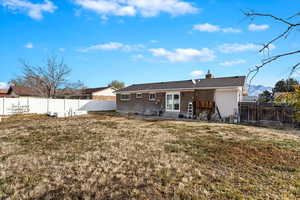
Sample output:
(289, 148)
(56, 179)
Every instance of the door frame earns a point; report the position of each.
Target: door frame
(173, 93)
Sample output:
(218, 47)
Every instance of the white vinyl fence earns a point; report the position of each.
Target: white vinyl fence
(59, 107)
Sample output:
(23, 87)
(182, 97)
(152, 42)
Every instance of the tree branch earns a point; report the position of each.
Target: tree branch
(290, 27)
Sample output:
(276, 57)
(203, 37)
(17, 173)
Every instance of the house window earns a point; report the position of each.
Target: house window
(139, 95)
(125, 97)
(152, 96)
(173, 102)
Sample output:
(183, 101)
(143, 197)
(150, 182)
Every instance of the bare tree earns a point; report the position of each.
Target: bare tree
(45, 79)
(292, 24)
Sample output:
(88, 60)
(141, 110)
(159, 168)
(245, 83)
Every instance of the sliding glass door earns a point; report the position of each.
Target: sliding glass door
(173, 101)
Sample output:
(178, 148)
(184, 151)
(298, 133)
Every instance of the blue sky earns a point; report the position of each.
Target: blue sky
(139, 41)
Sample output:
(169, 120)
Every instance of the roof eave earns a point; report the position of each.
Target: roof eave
(176, 89)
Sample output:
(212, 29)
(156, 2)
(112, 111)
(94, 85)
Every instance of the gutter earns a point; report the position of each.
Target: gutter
(176, 89)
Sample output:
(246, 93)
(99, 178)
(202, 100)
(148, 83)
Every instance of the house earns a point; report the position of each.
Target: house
(19, 91)
(101, 93)
(184, 98)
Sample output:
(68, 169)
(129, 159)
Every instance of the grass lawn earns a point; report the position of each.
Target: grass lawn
(110, 157)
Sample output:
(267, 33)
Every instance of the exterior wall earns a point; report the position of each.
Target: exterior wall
(185, 99)
(141, 105)
(104, 98)
(227, 101)
(107, 95)
(106, 92)
(203, 95)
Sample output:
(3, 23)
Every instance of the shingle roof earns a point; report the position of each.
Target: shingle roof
(234, 81)
(25, 91)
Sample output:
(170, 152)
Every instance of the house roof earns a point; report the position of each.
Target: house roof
(235, 81)
(25, 91)
(92, 90)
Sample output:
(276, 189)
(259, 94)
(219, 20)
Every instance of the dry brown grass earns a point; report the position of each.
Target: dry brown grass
(110, 157)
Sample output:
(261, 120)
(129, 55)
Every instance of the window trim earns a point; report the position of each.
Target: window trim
(173, 93)
(125, 99)
(139, 97)
(150, 98)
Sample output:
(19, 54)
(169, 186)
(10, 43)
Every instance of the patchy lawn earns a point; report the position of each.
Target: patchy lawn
(110, 157)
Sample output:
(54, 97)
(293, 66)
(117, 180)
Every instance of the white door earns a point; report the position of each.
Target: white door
(173, 102)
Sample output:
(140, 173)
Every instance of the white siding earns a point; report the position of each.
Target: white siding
(227, 101)
(106, 92)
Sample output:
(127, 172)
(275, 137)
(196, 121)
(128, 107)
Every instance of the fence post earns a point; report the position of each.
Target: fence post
(47, 105)
(28, 104)
(3, 106)
(78, 104)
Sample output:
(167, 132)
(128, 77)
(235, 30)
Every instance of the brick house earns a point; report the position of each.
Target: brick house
(184, 98)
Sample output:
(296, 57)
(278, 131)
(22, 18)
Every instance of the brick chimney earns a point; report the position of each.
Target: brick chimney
(208, 75)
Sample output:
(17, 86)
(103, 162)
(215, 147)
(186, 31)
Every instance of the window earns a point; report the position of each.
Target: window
(139, 95)
(152, 96)
(125, 97)
(173, 102)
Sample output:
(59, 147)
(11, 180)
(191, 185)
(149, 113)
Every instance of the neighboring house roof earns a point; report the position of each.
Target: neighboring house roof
(236, 81)
(24, 91)
(92, 90)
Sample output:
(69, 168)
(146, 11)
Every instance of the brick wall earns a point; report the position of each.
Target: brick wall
(203, 95)
(141, 105)
(185, 98)
(145, 106)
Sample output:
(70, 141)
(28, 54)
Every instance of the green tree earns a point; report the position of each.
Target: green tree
(117, 85)
(292, 99)
(286, 85)
(266, 97)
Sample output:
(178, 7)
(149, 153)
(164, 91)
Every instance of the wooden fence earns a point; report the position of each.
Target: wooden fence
(253, 112)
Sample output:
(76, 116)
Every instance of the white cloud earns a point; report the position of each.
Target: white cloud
(197, 73)
(254, 27)
(233, 62)
(113, 46)
(3, 85)
(33, 10)
(206, 27)
(185, 55)
(137, 57)
(146, 8)
(231, 30)
(29, 45)
(153, 41)
(214, 28)
(236, 47)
